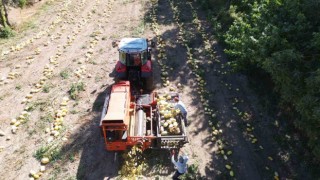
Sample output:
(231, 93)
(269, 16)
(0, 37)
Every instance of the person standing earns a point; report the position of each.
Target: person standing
(180, 165)
(179, 105)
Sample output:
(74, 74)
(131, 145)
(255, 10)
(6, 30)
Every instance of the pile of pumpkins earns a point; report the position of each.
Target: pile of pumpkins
(169, 116)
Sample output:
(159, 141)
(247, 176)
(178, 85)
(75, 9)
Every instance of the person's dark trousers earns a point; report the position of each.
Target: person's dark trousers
(176, 175)
(185, 120)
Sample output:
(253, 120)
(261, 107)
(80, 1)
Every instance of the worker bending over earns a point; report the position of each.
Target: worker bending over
(182, 109)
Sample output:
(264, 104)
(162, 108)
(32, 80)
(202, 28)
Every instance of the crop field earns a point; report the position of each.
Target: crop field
(55, 76)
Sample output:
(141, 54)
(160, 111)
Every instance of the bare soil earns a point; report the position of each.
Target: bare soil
(79, 35)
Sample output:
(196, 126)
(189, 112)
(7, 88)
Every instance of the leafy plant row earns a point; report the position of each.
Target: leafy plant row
(277, 41)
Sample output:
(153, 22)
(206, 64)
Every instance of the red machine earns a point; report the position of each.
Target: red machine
(135, 62)
(137, 120)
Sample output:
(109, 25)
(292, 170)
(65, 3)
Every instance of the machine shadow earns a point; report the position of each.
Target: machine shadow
(95, 161)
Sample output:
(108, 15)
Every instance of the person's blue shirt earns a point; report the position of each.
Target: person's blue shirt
(182, 108)
(181, 167)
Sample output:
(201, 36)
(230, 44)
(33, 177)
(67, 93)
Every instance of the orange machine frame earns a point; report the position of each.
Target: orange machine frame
(118, 118)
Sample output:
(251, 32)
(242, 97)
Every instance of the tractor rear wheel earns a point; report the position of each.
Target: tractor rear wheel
(148, 84)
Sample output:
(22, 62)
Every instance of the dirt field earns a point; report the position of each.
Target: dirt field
(70, 43)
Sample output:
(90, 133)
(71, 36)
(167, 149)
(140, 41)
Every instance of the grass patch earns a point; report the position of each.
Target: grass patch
(29, 25)
(22, 3)
(46, 88)
(55, 173)
(42, 104)
(41, 152)
(93, 62)
(93, 35)
(44, 121)
(139, 30)
(75, 89)
(76, 104)
(65, 74)
(52, 151)
(46, 6)
(6, 33)
(73, 111)
(126, 1)
(47, 118)
(71, 178)
(193, 173)
(97, 78)
(18, 87)
(56, 154)
(72, 157)
(31, 132)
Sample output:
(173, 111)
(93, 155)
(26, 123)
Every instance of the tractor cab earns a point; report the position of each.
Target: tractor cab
(135, 62)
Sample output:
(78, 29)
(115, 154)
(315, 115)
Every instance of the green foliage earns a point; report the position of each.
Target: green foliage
(65, 74)
(75, 89)
(133, 163)
(52, 151)
(6, 32)
(192, 173)
(41, 152)
(22, 3)
(56, 154)
(281, 39)
(18, 87)
(46, 88)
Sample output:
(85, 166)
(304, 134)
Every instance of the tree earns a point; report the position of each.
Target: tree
(282, 39)
(4, 15)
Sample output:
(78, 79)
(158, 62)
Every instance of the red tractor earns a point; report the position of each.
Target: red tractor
(135, 62)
